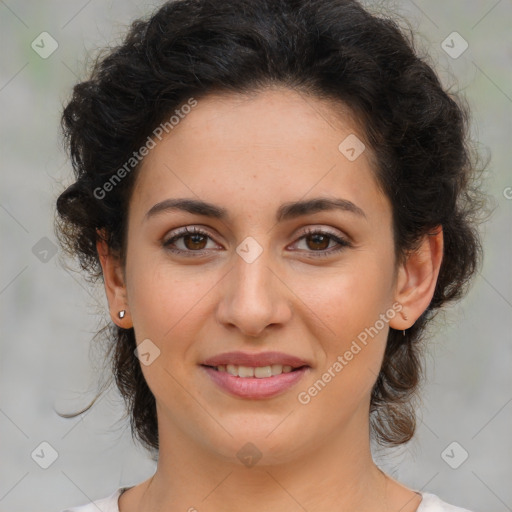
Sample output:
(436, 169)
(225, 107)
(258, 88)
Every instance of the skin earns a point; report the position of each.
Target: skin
(250, 154)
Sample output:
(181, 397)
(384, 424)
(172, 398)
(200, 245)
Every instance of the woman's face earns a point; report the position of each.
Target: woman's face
(254, 281)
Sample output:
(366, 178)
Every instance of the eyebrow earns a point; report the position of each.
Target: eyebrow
(286, 211)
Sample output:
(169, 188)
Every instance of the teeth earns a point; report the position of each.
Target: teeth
(263, 371)
(245, 371)
(259, 372)
(277, 369)
(231, 368)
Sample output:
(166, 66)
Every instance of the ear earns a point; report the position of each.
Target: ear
(113, 279)
(417, 278)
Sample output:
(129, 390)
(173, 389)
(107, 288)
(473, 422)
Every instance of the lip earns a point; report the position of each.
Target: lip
(255, 359)
(254, 387)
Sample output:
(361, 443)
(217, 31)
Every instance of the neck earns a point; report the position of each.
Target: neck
(336, 473)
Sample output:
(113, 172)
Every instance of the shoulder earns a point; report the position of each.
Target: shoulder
(108, 504)
(432, 503)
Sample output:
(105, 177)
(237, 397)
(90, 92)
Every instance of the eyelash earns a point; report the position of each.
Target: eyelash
(343, 243)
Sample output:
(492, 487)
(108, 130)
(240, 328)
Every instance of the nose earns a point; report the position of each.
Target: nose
(253, 297)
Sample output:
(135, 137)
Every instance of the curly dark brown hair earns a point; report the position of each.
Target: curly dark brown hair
(332, 49)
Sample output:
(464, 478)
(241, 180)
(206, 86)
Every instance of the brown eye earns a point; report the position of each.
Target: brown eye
(317, 242)
(191, 242)
(194, 242)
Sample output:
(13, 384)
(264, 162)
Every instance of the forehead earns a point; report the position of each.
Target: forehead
(255, 150)
(273, 118)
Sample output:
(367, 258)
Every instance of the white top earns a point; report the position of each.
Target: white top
(430, 503)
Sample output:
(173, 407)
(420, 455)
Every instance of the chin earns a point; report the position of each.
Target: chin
(258, 440)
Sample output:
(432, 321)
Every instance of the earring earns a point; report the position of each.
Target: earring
(121, 313)
(405, 317)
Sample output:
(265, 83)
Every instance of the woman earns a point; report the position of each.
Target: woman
(277, 197)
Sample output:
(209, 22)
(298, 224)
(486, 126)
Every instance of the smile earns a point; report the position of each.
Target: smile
(259, 372)
(255, 383)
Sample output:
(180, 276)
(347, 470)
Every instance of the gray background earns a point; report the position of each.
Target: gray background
(49, 314)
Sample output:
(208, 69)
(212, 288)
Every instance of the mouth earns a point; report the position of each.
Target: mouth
(255, 376)
(229, 361)
(259, 372)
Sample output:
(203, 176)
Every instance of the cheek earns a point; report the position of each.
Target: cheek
(166, 306)
(164, 298)
(351, 297)
(351, 350)
(349, 309)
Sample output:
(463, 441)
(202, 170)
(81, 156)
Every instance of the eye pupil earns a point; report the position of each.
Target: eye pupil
(195, 241)
(316, 238)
